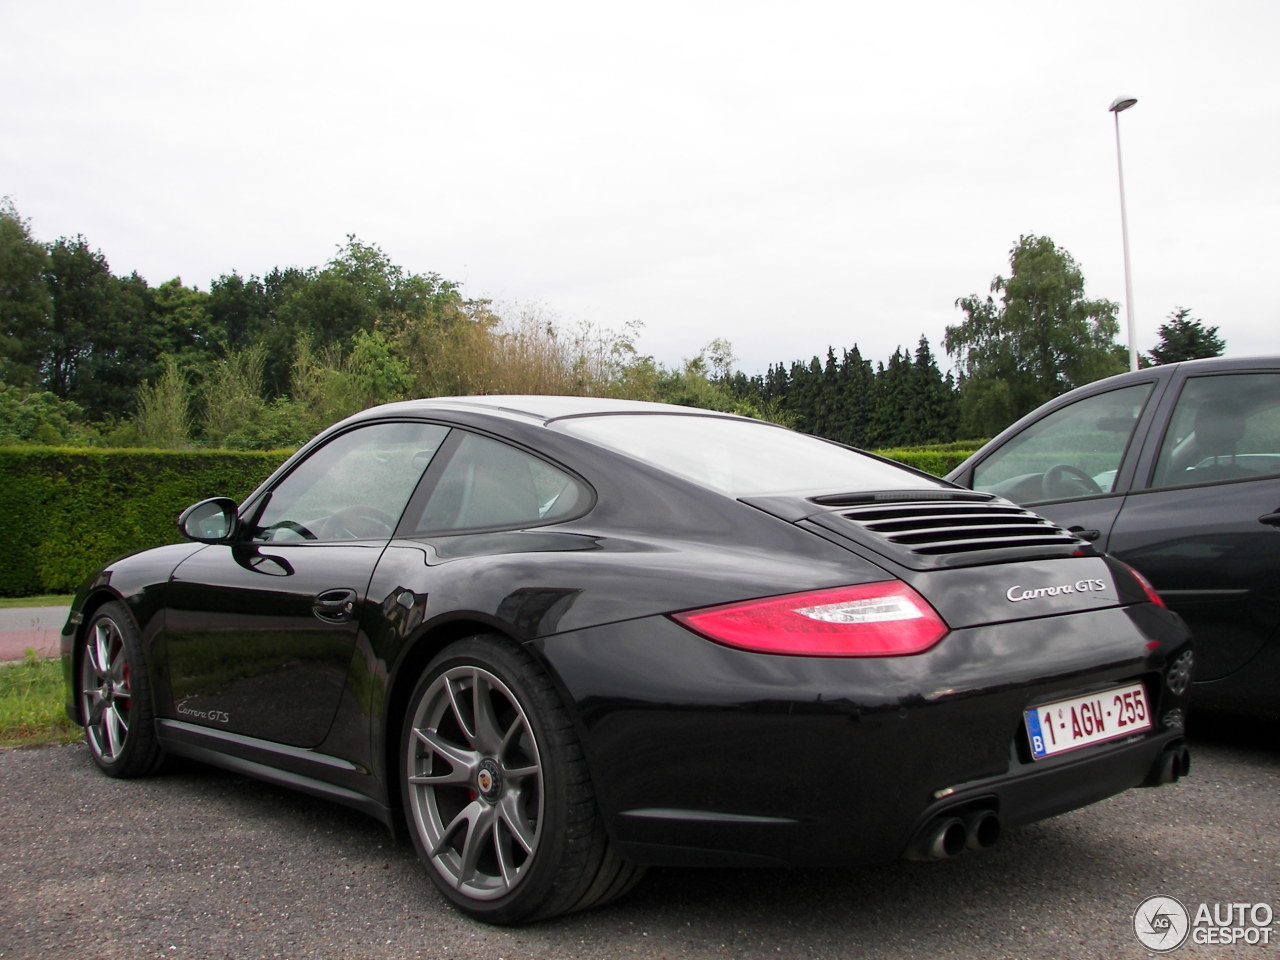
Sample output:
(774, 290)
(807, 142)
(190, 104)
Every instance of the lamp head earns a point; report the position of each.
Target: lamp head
(1122, 103)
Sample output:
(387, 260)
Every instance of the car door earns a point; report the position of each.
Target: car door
(1192, 522)
(260, 631)
(1075, 462)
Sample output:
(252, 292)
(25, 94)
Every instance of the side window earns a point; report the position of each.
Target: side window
(1073, 452)
(489, 485)
(1223, 428)
(354, 487)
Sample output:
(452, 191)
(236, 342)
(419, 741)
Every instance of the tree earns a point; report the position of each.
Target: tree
(164, 413)
(894, 398)
(39, 417)
(24, 300)
(232, 394)
(857, 398)
(80, 283)
(934, 409)
(1185, 339)
(1042, 339)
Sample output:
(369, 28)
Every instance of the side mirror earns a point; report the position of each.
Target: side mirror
(209, 521)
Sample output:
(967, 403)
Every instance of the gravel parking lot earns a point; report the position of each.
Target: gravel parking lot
(197, 863)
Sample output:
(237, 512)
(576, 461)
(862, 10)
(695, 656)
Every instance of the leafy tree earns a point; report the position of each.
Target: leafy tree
(232, 394)
(181, 325)
(39, 417)
(358, 289)
(24, 300)
(1041, 339)
(163, 419)
(238, 311)
(1183, 338)
(102, 342)
(80, 284)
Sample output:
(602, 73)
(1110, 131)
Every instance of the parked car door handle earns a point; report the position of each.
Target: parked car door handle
(1083, 534)
(1270, 519)
(335, 606)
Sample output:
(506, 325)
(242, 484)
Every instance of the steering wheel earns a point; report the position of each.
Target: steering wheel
(1063, 480)
(294, 527)
(358, 522)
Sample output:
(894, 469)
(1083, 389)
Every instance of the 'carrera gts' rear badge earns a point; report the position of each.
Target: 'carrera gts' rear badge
(1018, 593)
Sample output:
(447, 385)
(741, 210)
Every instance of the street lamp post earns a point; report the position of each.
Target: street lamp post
(1117, 105)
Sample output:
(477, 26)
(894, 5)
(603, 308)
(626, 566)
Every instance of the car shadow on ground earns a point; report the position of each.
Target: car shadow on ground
(1067, 886)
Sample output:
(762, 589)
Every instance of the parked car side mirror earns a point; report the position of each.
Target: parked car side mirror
(209, 521)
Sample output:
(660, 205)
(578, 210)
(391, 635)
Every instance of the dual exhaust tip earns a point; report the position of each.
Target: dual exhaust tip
(1170, 767)
(950, 834)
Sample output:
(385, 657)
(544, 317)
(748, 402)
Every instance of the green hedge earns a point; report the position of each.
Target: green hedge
(937, 459)
(67, 511)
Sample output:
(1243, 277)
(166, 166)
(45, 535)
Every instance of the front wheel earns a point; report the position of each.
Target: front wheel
(496, 790)
(115, 696)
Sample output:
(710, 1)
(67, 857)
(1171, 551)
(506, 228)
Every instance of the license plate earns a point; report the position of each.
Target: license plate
(1070, 724)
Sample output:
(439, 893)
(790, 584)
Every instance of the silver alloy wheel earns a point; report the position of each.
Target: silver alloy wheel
(475, 782)
(106, 696)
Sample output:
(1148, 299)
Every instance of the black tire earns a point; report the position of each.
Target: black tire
(496, 791)
(115, 696)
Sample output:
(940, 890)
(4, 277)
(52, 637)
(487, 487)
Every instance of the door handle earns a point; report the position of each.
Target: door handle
(1083, 534)
(335, 606)
(1270, 519)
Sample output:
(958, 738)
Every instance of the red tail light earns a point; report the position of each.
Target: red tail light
(1146, 586)
(885, 619)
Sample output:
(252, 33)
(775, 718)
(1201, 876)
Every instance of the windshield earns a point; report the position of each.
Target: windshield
(743, 458)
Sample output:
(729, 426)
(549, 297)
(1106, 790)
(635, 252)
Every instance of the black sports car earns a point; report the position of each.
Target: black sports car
(560, 639)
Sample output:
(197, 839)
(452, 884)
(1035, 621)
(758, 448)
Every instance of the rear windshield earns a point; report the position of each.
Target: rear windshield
(743, 458)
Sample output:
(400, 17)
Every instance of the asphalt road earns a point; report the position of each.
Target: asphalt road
(197, 863)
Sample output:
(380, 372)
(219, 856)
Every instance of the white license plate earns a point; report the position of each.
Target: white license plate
(1070, 724)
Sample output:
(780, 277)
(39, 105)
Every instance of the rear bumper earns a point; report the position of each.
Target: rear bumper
(706, 755)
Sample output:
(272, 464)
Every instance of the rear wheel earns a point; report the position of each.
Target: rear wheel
(115, 696)
(496, 790)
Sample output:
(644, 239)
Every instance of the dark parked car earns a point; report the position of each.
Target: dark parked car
(1176, 470)
(560, 639)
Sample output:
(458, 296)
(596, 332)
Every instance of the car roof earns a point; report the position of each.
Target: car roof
(543, 409)
(1191, 367)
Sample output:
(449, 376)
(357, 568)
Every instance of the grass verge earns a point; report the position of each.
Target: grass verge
(31, 712)
(48, 600)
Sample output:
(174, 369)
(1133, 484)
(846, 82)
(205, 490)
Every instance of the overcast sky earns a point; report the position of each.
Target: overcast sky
(784, 175)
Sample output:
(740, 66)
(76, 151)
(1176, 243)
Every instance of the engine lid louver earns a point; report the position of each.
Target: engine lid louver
(930, 528)
(954, 530)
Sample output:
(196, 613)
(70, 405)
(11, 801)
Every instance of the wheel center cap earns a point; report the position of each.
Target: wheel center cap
(489, 779)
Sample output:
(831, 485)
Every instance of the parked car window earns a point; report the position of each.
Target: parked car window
(1074, 451)
(492, 485)
(354, 487)
(1223, 428)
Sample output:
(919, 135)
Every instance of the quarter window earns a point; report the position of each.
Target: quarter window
(490, 485)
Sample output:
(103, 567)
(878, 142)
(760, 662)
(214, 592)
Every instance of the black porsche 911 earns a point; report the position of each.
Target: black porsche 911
(559, 639)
